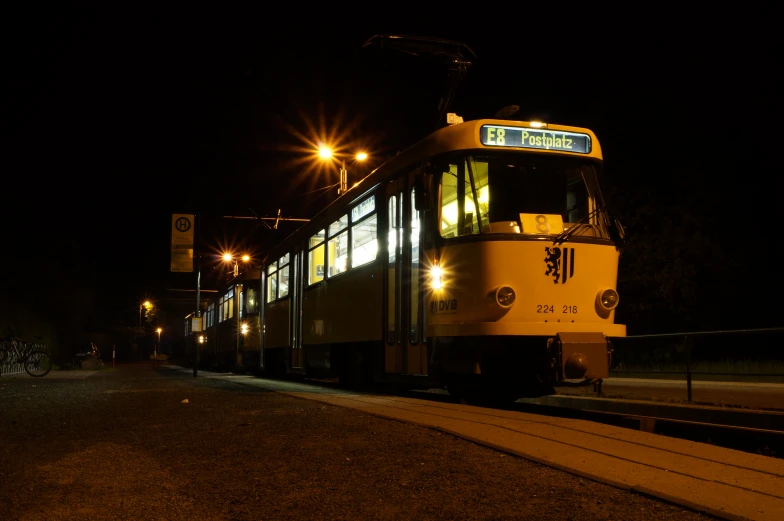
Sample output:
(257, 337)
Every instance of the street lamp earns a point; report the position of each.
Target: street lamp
(147, 305)
(157, 346)
(228, 257)
(327, 153)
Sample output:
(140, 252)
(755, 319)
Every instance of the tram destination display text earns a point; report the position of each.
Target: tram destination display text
(521, 137)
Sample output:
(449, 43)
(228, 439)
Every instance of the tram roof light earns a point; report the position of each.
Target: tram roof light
(538, 124)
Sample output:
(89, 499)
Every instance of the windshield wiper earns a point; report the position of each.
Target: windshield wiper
(564, 235)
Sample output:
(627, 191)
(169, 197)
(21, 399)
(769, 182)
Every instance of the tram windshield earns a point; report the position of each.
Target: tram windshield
(520, 193)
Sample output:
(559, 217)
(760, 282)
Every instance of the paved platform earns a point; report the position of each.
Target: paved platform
(719, 481)
(722, 482)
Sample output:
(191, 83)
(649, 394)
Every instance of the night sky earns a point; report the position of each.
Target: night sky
(117, 118)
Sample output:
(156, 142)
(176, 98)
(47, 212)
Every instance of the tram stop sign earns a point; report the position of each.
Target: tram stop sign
(182, 242)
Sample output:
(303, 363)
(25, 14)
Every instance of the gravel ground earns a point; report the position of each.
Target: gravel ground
(120, 444)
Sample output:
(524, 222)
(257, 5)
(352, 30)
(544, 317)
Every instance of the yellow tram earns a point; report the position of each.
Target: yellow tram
(481, 258)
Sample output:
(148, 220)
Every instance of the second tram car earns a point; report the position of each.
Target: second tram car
(230, 333)
(482, 258)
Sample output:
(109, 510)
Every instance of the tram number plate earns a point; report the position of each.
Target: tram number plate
(551, 309)
(541, 224)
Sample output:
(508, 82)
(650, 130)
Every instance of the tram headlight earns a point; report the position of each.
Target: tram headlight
(436, 274)
(244, 329)
(608, 299)
(505, 296)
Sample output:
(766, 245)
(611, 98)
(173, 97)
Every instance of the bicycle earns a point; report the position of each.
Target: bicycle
(33, 356)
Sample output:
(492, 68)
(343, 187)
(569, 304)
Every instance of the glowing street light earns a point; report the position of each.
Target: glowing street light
(228, 257)
(146, 305)
(326, 153)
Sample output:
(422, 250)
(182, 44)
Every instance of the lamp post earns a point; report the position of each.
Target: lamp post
(327, 153)
(157, 346)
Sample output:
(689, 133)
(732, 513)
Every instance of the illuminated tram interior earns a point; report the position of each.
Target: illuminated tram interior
(529, 185)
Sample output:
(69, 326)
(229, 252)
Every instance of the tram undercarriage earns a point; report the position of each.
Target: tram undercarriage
(505, 368)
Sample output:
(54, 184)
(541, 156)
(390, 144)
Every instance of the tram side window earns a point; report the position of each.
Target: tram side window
(393, 214)
(209, 319)
(337, 247)
(415, 226)
(449, 182)
(364, 232)
(253, 301)
(272, 281)
(459, 215)
(393, 226)
(226, 306)
(316, 258)
(365, 241)
(283, 276)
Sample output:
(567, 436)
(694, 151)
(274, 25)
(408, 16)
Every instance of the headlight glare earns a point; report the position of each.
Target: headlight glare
(435, 277)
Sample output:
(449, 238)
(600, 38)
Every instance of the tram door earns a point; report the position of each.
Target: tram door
(405, 349)
(296, 311)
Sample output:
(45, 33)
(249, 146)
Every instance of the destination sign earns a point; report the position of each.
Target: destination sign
(521, 137)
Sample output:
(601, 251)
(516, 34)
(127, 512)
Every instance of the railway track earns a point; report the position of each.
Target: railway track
(758, 432)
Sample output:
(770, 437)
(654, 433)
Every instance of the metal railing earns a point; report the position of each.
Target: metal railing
(646, 352)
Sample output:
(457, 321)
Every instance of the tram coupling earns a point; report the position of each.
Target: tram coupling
(579, 356)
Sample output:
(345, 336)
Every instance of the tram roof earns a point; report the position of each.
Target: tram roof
(453, 138)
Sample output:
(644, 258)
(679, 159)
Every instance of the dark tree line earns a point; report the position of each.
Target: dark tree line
(694, 260)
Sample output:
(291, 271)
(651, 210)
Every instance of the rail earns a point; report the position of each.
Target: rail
(682, 353)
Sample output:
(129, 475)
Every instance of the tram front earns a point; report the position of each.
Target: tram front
(523, 264)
